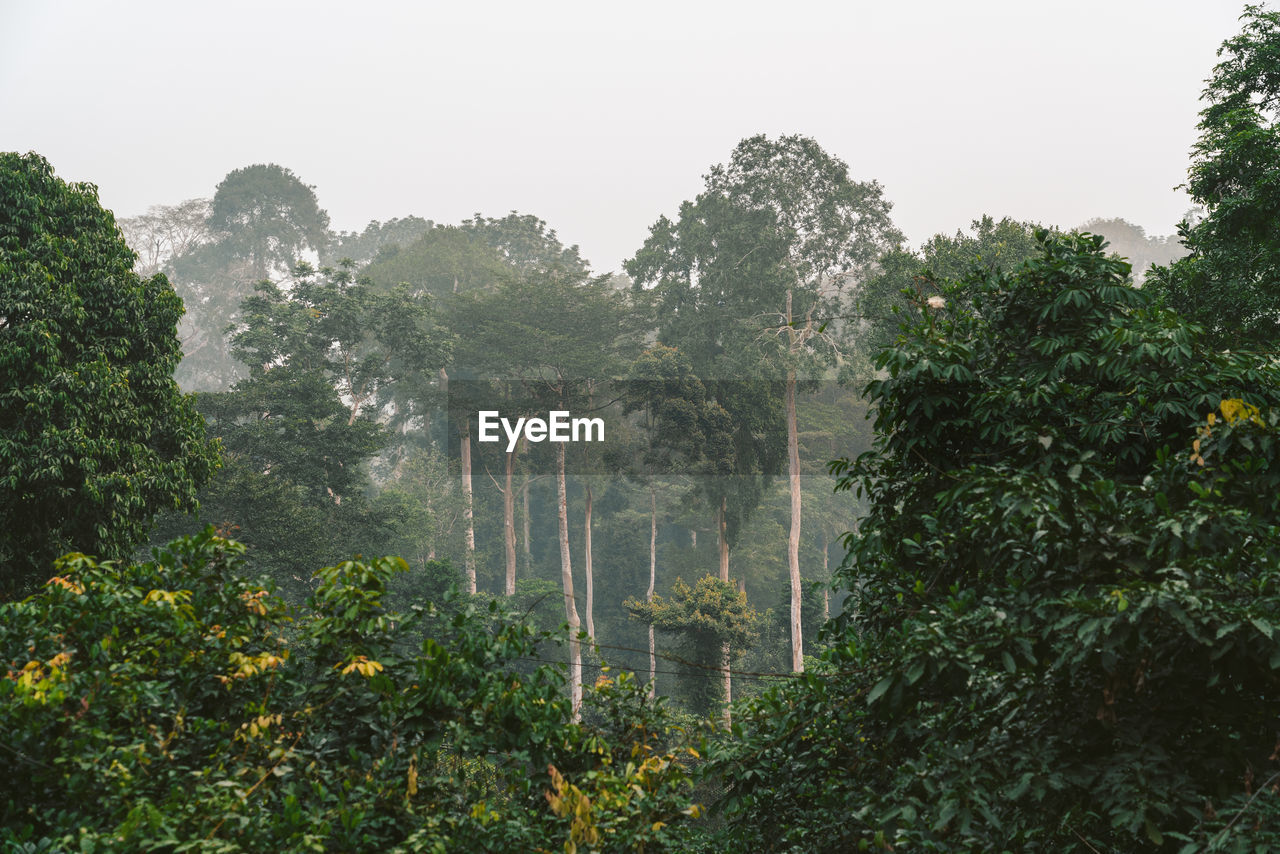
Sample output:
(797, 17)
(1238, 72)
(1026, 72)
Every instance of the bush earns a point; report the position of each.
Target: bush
(177, 705)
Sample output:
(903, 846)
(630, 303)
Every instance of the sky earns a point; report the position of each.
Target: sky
(599, 117)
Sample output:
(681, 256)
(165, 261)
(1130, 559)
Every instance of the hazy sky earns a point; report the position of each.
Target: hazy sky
(600, 116)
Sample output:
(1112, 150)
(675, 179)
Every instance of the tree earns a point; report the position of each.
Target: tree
(165, 232)
(260, 220)
(1132, 243)
(524, 241)
(379, 240)
(903, 278)
(1066, 634)
(553, 333)
(1230, 279)
(707, 617)
(445, 260)
(684, 432)
(94, 436)
(182, 702)
(266, 216)
(329, 362)
(784, 228)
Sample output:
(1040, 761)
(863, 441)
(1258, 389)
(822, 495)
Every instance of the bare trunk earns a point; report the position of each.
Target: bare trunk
(526, 549)
(826, 576)
(653, 574)
(722, 526)
(509, 525)
(468, 505)
(591, 596)
(566, 578)
(793, 539)
(725, 661)
(693, 538)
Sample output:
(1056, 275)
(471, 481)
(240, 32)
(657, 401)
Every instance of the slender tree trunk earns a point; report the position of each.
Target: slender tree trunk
(526, 548)
(591, 595)
(826, 575)
(722, 526)
(693, 538)
(566, 578)
(653, 574)
(509, 525)
(725, 662)
(793, 539)
(468, 506)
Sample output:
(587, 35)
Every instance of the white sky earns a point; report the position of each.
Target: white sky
(599, 116)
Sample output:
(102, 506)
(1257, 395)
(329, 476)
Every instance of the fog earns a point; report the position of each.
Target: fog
(599, 119)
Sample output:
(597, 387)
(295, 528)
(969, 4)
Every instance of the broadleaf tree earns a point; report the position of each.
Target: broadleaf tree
(95, 437)
(1065, 639)
(778, 236)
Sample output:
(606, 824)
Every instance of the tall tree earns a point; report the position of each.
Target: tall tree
(266, 216)
(784, 229)
(683, 432)
(325, 362)
(1067, 636)
(94, 436)
(555, 333)
(1230, 279)
(165, 232)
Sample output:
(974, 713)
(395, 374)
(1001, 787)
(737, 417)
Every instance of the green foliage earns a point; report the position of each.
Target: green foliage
(266, 216)
(524, 242)
(704, 618)
(685, 431)
(94, 435)
(445, 260)
(176, 705)
(378, 240)
(903, 278)
(1230, 280)
(1065, 635)
(327, 360)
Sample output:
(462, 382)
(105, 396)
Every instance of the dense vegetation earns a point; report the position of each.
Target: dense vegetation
(1054, 627)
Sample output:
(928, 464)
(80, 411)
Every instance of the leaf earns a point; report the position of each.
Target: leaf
(1153, 833)
(878, 690)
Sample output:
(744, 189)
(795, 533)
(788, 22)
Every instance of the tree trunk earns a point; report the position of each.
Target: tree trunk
(793, 539)
(468, 505)
(526, 549)
(725, 661)
(566, 578)
(653, 574)
(509, 525)
(826, 576)
(591, 595)
(722, 527)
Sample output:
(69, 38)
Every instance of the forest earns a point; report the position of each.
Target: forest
(787, 537)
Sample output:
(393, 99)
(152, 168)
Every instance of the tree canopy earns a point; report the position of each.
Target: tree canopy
(95, 437)
(1230, 279)
(1063, 637)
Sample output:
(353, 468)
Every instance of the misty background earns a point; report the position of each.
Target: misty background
(596, 117)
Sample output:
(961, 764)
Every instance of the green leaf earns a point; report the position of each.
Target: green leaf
(877, 691)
